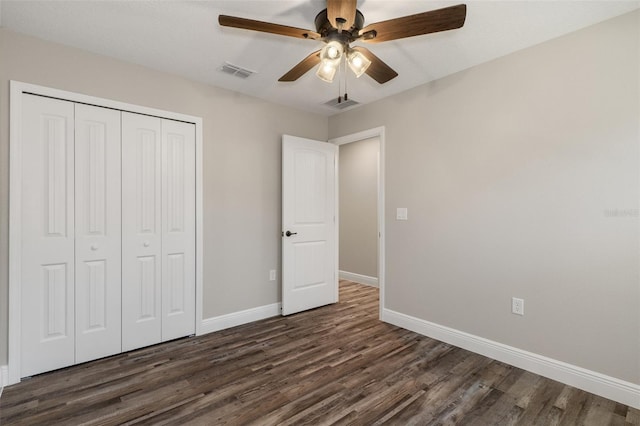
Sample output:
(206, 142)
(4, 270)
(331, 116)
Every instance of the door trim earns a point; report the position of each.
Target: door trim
(378, 132)
(17, 89)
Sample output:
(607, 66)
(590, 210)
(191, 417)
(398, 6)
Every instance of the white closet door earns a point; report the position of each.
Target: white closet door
(97, 229)
(141, 231)
(178, 229)
(47, 271)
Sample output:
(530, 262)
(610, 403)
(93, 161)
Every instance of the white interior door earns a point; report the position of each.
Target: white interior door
(141, 231)
(178, 229)
(97, 231)
(47, 266)
(309, 240)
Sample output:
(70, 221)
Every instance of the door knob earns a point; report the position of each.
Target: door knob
(94, 247)
(289, 233)
(146, 244)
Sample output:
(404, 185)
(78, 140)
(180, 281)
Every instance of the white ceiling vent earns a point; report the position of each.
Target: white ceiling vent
(236, 70)
(333, 103)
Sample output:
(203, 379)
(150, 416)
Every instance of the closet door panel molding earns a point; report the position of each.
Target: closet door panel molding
(141, 231)
(98, 242)
(47, 268)
(178, 229)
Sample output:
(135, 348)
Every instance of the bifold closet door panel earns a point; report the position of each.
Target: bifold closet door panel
(141, 231)
(97, 230)
(47, 235)
(178, 229)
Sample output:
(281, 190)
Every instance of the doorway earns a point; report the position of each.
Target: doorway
(361, 208)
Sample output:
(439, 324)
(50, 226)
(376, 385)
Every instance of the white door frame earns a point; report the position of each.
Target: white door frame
(355, 137)
(15, 201)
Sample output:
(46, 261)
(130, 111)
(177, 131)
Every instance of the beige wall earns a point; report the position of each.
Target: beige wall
(242, 155)
(358, 172)
(520, 176)
(521, 179)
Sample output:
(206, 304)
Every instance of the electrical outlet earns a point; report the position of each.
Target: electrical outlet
(272, 275)
(517, 306)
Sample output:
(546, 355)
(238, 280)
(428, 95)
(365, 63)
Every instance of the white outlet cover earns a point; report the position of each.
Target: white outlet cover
(517, 306)
(402, 213)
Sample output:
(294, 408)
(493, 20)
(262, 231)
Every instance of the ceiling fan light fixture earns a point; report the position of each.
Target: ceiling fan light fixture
(332, 51)
(330, 57)
(327, 70)
(340, 24)
(357, 62)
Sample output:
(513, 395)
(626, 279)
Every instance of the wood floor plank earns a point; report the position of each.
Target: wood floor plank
(334, 365)
(633, 416)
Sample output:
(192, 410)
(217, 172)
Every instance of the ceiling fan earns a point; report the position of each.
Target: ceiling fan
(340, 24)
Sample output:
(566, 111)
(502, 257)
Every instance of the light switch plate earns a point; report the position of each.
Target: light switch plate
(402, 213)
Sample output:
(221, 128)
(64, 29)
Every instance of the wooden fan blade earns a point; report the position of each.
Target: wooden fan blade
(378, 70)
(266, 27)
(345, 9)
(434, 21)
(305, 65)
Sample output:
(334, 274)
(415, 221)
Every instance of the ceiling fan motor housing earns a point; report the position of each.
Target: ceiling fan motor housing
(329, 33)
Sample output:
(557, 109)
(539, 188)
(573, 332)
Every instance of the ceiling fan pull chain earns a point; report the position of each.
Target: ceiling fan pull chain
(340, 80)
(343, 73)
(346, 77)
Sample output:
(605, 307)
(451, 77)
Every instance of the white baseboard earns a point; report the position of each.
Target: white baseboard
(4, 377)
(358, 278)
(209, 325)
(606, 386)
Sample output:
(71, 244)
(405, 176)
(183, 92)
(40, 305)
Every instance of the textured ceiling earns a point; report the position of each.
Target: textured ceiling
(184, 38)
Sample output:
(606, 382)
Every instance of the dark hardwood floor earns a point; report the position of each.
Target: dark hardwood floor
(333, 365)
